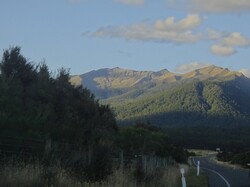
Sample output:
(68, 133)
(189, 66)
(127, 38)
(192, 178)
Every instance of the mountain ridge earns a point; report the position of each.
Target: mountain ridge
(209, 95)
(121, 80)
(211, 71)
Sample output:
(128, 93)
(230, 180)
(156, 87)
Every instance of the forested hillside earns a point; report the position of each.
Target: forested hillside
(196, 103)
(204, 108)
(206, 96)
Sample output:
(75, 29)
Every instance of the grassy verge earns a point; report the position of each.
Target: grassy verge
(196, 181)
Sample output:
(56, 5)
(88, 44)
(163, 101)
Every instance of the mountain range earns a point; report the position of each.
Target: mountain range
(210, 95)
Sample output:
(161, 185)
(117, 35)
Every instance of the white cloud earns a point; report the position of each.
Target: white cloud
(167, 30)
(131, 2)
(227, 43)
(184, 68)
(221, 50)
(190, 22)
(236, 39)
(213, 6)
(245, 71)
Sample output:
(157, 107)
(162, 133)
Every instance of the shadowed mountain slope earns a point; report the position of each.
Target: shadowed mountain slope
(210, 95)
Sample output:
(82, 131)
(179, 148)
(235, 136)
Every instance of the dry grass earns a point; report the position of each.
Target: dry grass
(200, 152)
(155, 172)
(26, 175)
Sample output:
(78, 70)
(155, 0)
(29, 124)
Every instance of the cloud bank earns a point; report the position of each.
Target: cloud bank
(168, 30)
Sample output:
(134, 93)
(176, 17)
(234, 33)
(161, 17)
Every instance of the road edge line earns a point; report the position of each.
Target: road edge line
(223, 178)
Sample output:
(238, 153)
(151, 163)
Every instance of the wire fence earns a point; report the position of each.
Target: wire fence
(48, 150)
(16, 145)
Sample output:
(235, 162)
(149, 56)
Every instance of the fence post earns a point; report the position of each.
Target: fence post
(121, 161)
(198, 168)
(183, 180)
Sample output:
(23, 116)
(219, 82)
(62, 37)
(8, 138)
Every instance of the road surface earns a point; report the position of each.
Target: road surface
(222, 176)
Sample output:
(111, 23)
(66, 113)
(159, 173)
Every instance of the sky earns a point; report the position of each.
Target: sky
(86, 35)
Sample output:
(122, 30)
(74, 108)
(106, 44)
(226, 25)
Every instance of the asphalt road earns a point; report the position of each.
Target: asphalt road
(222, 176)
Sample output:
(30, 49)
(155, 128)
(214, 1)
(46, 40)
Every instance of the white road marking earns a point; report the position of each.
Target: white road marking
(227, 183)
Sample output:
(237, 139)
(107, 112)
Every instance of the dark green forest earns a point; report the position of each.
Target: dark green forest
(36, 103)
(39, 106)
(199, 114)
(197, 103)
(43, 116)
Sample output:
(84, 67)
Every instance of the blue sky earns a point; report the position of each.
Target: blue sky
(85, 35)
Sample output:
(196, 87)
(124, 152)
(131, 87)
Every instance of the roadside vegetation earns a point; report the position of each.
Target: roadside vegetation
(239, 158)
(19, 174)
(55, 134)
(196, 181)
